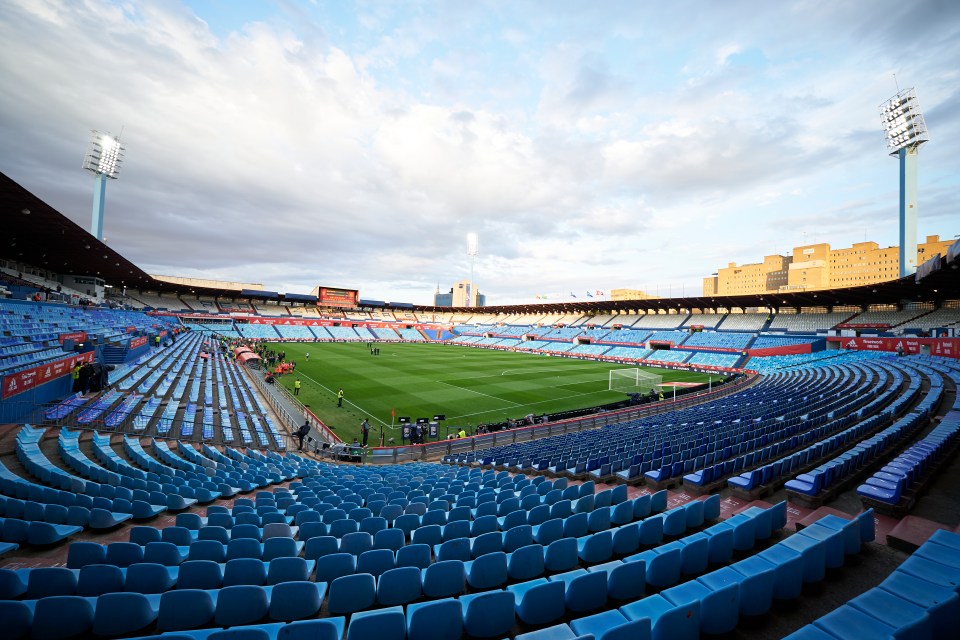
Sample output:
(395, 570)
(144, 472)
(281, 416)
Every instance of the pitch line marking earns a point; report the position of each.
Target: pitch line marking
(478, 393)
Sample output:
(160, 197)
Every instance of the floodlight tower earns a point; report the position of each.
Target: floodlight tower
(906, 131)
(103, 159)
(473, 246)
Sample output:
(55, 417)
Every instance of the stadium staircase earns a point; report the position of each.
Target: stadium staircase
(114, 355)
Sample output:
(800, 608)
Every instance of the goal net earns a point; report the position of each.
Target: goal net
(633, 380)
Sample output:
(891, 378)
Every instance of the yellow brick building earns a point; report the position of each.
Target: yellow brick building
(628, 294)
(817, 266)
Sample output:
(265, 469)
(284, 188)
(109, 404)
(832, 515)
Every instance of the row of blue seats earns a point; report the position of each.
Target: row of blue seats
(918, 600)
(123, 613)
(96, 579)
(493, 612)
(351, 593)
(865, 452)
(773, 472)
(713, 603)
(15, 532)
(888, 484)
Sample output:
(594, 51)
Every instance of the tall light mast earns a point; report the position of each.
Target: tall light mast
(103, 160)
(473, 247)
(906, 131)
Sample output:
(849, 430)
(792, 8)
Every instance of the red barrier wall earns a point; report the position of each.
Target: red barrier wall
(946, 347)
(27, 379)
(786, 350)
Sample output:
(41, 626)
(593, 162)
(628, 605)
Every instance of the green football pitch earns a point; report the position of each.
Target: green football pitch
(468, 385)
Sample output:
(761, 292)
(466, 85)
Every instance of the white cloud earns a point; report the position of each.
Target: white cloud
(590, 149)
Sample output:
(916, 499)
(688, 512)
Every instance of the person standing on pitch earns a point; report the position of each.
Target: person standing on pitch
(296, 387)
(365, 430)
(340, 397)
(306, 357)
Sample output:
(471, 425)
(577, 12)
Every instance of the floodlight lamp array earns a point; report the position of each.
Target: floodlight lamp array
(473, 244)
(903, 121)
(104, 155)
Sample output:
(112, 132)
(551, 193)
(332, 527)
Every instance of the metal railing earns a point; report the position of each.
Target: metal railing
(270, 392)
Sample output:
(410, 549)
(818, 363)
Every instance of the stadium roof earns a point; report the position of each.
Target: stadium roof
(37, 234)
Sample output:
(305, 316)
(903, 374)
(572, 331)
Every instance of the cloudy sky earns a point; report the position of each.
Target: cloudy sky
(591, 145)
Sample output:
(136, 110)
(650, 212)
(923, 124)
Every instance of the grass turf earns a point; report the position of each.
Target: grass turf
(470, 386)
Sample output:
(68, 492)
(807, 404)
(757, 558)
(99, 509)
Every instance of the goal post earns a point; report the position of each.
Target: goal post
(632, 380)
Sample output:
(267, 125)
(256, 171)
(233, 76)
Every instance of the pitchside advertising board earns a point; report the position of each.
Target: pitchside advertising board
(21, 381)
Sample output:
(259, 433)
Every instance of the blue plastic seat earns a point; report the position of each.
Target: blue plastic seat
(216, 533)
(18, 618)
(379, 624)
(311, 529)
(719, 603)
(179, 536)
(561, 555)
(488, 571)
(320, 546)
(332, 566)
(149, 577)
(288, 569)
(124, 554)
(414, 555)
(296, 600)
(664, 564)
(143, 535)
(60, 617)
(612, 625)
(456, 549)
(538, 601)
(375, 561)
(667, 620)
(585, 591)
(208, 550)
(244, 548)
(431, 534)
(595, 548)
(351, 593)
(97, 579)
(443, 579)
(183, 609)
(435, 620)
(388, 539)
(200, 574)
(398, 586)
(241, 605)
(625, 580)
(165, 553)
(488, 614)
(789, 568)
(576, 526)
(322, 629)
(757, 580)
(44, 582)
(244, 571)
(124, 613)
(526, 563)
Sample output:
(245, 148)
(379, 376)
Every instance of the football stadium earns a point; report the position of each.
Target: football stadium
(198, 456)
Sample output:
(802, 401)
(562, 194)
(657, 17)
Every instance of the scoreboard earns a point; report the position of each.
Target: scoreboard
(335, 297)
